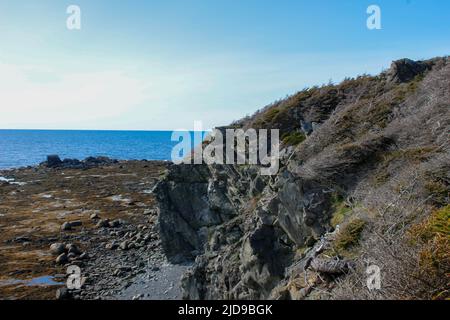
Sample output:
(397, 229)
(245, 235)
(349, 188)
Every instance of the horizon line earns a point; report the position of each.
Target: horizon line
(106, 130)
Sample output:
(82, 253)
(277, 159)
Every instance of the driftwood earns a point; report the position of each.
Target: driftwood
(331, 266)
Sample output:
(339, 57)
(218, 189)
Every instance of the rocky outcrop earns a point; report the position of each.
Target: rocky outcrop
(54, 161)
(406, 70)
(260, 237)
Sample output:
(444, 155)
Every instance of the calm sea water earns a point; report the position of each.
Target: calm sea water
(30, 147)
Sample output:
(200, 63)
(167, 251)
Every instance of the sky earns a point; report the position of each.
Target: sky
(163, 64)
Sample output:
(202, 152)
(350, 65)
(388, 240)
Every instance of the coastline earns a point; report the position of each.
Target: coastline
(112, 214)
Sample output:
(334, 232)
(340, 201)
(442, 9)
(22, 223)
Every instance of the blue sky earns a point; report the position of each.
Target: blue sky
(156, 65)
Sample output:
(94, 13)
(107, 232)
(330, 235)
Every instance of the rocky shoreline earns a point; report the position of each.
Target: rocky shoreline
(98, 214)
(363, 184)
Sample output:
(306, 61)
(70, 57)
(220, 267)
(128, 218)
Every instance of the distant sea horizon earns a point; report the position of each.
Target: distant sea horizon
(29, 147)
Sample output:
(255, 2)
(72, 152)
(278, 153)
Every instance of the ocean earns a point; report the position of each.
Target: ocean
(19, 148)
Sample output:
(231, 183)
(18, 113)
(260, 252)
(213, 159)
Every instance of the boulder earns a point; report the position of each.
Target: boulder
(76, 223)
(53, 161)
(104, 223)
(62, 294)
(62, 259)
(71, 248)
(57, 248)
(66, 226)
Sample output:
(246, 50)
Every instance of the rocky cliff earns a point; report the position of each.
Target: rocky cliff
(363, 181)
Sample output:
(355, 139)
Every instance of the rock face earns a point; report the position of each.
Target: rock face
(261, 237)
(190, 203)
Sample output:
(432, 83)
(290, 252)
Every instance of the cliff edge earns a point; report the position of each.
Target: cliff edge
(363, 185)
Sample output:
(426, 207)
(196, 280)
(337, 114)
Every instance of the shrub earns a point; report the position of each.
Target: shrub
(433, 235)
(437, 224)
(350, 234)
(293, 138)
(271, 114)
(340, 210)
(439, 192)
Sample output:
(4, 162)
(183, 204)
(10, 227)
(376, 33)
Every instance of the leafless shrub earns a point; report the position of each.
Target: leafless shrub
(392, 211)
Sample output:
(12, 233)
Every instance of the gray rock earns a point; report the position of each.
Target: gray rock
(94, 216)
(104, 223)
(84, 256)
(405, 70)
(57, 248)
(62, 259)
(148, 212)
(185, 209)
(115, 223)
(71, 248)
(306, 127)
(66, 226)
(71, 256)
(62, 294)
(53, 161)
(76, 223)
(124, 245)
(111, 246)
